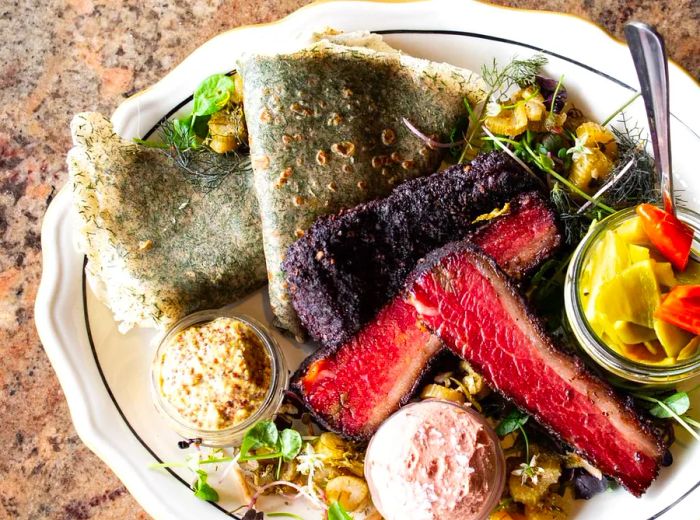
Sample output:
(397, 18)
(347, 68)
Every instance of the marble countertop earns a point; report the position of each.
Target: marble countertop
(61, 57)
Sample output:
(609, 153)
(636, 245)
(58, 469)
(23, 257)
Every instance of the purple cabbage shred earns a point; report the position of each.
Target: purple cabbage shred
(547, 88)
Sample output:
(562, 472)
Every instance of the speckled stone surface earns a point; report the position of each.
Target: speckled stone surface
(60, 57)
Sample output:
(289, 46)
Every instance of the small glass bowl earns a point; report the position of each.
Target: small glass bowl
(615, 363)
(233, 435)
(498, 480)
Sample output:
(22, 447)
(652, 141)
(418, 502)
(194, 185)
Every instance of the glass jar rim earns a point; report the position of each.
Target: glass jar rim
(270, 404)
(499, 471)
(589, 340)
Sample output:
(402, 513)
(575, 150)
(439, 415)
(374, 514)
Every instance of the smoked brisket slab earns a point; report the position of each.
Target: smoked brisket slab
(351, 389)
(348, 266)
(464, 297)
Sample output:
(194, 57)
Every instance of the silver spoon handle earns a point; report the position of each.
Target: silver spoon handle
(649, 56)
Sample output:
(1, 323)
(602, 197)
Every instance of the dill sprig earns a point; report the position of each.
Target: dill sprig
(522, 73)
(187, 140)
(499, 80)
(639, 183)
(200, 165)
(574, 224)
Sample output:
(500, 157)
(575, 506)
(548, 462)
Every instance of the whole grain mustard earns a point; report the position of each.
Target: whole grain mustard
(215, 374)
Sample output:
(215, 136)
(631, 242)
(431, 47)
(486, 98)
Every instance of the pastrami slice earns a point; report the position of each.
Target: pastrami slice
(522, 239)
(471, 305)
(351, 389)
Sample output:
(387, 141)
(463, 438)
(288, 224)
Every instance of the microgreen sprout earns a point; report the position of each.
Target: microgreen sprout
(610, 184)
(337, 512)
(203, 490)
(499, 142)
(194, 463)
(515, 420)
(675, 406)
(554, 96)
(527, 470)
(618, 111)
(545, 164)
(264, 441)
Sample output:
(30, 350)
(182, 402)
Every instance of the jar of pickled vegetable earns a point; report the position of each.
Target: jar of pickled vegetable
(616, 284)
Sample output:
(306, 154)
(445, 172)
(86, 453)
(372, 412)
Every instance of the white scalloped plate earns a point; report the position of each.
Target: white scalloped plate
(104, 373)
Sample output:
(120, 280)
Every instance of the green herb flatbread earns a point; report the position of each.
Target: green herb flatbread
(326, 133)
(159, 247)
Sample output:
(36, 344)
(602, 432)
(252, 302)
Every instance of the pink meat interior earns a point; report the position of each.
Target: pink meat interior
(477, 315)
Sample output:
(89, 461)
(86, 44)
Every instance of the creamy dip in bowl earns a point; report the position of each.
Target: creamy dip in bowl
(435, 460)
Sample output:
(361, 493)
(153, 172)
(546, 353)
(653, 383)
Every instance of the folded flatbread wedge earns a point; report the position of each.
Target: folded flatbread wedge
(326, 133)
(158, 246)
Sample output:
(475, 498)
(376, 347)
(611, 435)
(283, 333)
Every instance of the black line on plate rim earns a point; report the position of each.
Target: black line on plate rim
(166, 116)
(506, 40)
(675, 502)
(143, 443)
(468, 35)
(172, 111)
(527, 46)
(384, 31)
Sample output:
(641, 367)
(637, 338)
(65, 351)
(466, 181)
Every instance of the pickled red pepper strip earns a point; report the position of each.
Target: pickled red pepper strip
(671, 237)
(681, 308)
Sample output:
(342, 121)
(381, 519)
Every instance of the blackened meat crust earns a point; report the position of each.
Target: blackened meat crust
(347, 266)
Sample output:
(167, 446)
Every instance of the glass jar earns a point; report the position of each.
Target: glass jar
(391, 449)
(230, 436)
(626, 369)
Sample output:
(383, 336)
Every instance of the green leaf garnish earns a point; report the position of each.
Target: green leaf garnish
(290, 444)
(337, 512)
(183, 137)
(673, 407)
(262, 435)
(212, 95)
(264, 441)
(202, 489)
(511, 422)
(515, 420)
(200, 126)
(678, 402)
(556, 93)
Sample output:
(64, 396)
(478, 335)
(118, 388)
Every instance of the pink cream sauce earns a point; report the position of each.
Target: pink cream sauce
(434, 460)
